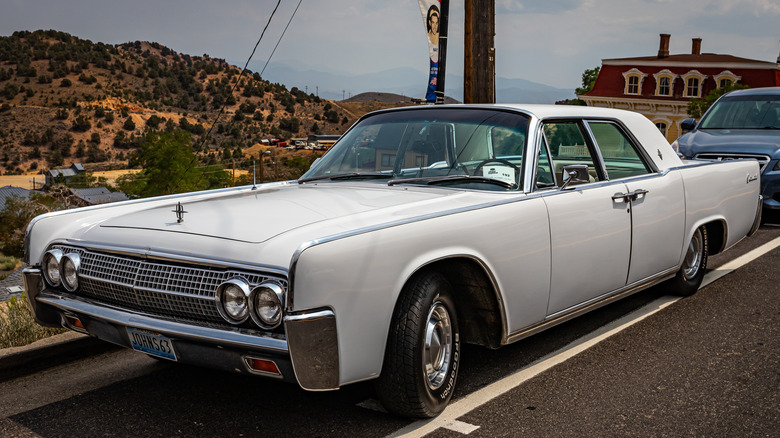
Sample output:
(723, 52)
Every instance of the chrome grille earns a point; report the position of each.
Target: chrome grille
(763, 160)
(156, 287)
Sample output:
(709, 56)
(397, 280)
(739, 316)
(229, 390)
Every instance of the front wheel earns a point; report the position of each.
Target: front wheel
(423, 350)
(691, 273)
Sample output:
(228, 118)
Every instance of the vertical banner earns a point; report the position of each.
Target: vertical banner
(431, 13)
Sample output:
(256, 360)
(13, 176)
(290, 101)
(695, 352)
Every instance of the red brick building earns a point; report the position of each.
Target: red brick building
(661, 86)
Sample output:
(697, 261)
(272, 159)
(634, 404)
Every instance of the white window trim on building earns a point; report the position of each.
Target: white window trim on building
(665, 73)
(725, 74)
(634, 73)
(689, 75)
(665, 121)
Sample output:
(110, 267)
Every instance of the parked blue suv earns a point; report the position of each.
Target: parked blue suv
(741, 124)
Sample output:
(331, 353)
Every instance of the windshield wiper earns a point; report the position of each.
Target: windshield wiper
(352, 175)
(452, 178)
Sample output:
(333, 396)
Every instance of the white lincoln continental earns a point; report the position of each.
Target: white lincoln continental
(421, 229)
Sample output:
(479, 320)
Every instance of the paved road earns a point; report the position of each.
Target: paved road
(707, 365)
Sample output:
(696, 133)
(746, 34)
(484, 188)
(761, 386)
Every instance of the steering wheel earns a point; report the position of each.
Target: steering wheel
(498, 160)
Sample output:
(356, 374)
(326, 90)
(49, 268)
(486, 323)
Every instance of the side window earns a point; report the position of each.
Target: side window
(620, 156)
(568, 146)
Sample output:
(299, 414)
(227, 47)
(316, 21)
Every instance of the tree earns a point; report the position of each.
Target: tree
(169, 166)
(588, 80)
(15, 216)
(129, 124)
(81, 124)
(697, 107)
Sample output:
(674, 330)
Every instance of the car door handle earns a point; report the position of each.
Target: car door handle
(630, 196)
(620, 197)
(637, 194)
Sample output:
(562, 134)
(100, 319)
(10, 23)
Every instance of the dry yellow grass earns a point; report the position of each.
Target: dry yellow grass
(35, 180)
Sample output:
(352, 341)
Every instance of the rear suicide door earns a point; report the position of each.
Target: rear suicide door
(620, 221)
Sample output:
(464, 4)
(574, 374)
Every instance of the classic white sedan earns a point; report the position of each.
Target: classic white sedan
(421, 229)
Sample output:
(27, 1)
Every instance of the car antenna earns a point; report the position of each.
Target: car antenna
(254, 176)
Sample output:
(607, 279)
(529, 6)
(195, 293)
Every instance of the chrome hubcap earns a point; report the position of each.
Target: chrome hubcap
(437, 355)
(692, 262)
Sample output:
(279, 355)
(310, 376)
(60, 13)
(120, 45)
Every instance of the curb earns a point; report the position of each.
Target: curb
(47, 353)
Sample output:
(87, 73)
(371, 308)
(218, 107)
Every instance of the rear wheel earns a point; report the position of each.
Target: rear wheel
(691, 273)
(423, 350)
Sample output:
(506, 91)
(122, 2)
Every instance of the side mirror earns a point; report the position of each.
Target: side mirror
(688, 124)
(574, 174)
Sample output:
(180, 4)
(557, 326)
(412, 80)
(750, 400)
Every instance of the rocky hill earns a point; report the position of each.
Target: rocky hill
(64, 99)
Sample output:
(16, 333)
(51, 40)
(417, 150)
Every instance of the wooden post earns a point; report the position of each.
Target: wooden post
(479, 56)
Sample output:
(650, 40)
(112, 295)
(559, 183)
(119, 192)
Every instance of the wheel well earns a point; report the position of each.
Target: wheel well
(716, 236)
(476, 300)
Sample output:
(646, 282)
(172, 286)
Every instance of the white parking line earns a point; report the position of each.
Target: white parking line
(478, 398)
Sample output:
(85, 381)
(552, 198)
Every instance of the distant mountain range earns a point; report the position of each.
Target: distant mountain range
(406, 82)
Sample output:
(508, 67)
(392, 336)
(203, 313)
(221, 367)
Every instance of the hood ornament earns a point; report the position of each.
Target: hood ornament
(179, 213)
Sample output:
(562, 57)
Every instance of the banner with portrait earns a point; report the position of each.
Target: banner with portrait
(431, 13)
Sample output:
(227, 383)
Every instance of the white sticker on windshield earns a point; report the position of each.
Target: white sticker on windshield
(499, 172)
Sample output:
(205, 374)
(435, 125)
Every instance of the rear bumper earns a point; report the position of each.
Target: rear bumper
(314, 335)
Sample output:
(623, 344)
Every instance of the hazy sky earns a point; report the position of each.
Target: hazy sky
(545, 41)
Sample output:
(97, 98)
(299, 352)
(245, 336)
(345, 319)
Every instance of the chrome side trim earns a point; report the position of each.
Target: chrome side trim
(568, 314)
(314, 349)
(234, 338)
(290, 300)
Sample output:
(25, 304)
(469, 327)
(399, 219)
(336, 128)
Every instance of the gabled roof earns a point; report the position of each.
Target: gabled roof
(8, 191)
(73, 170)
(688, 58)
(99, 195)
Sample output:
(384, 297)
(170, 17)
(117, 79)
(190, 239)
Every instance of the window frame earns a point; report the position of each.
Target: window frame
(664, 74)
(595, 151)
(640, 78)
(640, 151)
(693, 74)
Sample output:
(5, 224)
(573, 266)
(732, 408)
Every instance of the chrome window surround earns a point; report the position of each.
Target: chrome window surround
(182, 291)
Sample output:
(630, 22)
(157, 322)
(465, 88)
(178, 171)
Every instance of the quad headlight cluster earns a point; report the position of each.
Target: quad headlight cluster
(60, 269)
(236, 302)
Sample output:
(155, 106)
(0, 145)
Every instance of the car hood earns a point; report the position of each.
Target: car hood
(733, 141)
(260, 227)
(257, 216)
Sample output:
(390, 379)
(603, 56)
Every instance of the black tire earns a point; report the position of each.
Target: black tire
(691, 273)
(417, 381)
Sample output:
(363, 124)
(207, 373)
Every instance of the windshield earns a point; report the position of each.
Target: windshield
(744, 112)
(443, 146)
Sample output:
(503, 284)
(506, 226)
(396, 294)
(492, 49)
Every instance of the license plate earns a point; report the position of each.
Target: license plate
(151, 343)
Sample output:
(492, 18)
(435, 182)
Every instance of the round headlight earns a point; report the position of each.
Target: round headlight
(69, 271)
(51, 267)
(233, 300)
(267, 305)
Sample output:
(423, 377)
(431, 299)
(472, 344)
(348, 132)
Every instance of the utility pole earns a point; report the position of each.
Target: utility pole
(479, 69)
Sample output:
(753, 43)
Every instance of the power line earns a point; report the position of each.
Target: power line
(238, 81)
(280, 37)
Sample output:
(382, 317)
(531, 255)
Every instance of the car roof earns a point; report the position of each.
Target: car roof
(755, 91)
(539, 110)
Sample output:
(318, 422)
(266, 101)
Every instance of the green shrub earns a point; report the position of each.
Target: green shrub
(17, 326)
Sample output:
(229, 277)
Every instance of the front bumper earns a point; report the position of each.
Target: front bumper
(308, 354)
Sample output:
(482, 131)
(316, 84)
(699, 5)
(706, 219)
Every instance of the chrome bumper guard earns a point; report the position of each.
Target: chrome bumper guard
(314, 349)
(757, 220)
